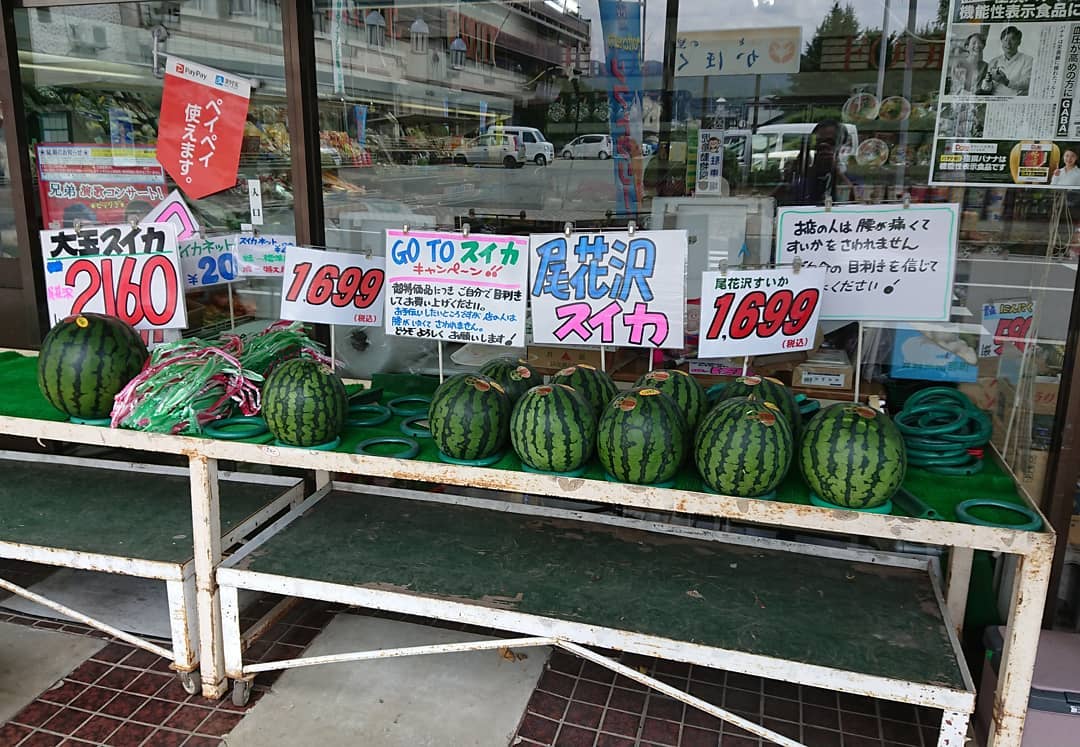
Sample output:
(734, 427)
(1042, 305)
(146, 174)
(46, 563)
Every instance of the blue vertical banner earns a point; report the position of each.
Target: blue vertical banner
(360, 113)
(620, 22)
(483, 117)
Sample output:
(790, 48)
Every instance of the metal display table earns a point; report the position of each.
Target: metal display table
(1033, 550)
(130, 519)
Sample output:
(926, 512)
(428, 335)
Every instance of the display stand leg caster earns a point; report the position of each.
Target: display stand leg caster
(241, 692)
(191, 682)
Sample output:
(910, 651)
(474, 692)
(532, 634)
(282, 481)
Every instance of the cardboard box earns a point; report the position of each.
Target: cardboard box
(1044, 395)
(551, 358)
(984, 393)
(826, 369)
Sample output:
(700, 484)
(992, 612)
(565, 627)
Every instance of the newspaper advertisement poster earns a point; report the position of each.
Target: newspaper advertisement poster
(1006, 111)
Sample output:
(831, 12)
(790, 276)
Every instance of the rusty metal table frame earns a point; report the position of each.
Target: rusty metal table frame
(1033, 550)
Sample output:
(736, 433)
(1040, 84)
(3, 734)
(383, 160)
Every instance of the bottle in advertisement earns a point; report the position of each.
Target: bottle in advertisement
(995, 204)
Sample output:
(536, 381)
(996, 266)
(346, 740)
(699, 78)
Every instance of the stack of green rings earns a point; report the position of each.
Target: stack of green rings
(944, 431)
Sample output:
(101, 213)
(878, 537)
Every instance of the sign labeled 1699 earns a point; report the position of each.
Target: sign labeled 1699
(331, 288)
(758, 312)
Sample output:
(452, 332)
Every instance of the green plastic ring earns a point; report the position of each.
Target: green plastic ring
(770, 496)
(411, 450)
(376, 415)
(963, 512)
(328, 446)
(884, 508)
(412, 427)
(483, 462)
(572, 473)
(665, 484)
(974, 467)
(420, 405)
(236, 429)
(937, 395)
(366, 396)
(90, 421)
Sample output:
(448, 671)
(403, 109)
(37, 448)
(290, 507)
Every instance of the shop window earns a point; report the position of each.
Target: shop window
(242, 7)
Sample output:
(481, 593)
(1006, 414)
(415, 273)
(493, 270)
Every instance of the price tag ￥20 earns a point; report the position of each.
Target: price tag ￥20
(332, 288)
(757, 312)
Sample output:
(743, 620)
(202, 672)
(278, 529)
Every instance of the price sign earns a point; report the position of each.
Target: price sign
(209, 261)
(757, 312)
(1006, 324)
(332, 288)
(262, 255)
(130, 272)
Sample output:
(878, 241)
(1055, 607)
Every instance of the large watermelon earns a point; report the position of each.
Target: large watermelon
(85, 361)
(304, 403)
(593, 384)
(687, 392)
(852, 456)
(743, 447)
(515, 376)
(469, 417)
(553, 428)
(768, 390)
(642, 437)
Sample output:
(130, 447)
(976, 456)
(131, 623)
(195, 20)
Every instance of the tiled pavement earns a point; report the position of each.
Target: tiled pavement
(126, 697)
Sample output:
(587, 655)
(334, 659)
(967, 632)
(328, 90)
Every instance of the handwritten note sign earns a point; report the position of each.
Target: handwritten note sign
(608, 288)
(447, 286)
(263, 255)
(209, 261)
(880, 262)
(757, 312)
(130, 272)
(332, 288)
(761, 51)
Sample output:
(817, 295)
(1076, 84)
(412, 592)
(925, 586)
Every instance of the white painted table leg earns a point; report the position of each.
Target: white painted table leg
(1021, 642)
(960, 561)
(230, 630)
(954, 727)
(183, 622)
(322, 479)
(206, 534)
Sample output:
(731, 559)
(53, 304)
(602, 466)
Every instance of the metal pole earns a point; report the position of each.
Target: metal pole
(882, 49)
(667, 95)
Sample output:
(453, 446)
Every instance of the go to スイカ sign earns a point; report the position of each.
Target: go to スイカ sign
(615, 288)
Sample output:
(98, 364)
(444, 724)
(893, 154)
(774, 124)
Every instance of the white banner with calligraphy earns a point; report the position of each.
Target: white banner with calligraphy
(765, 51)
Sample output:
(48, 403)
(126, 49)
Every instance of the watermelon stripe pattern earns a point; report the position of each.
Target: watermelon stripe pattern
(743, 448)
(85, 361)
(642, 437)
(768, 390)
(552, 429)
(469, 417)
(593, 384)
(515, 376)
(852, 456)
(304, 403)
(683, 388)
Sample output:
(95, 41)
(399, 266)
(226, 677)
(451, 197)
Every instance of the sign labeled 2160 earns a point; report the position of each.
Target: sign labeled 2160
(758, 312)
(331, 288)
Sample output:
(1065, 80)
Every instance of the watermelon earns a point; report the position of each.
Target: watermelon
(768, 390)
(593, 384)
(515, 376)
(552, 428)
(85, 361)
(743, 447)
(852, 456)
(687, 392)
(642, 437)
(469, 417)
(304, 403)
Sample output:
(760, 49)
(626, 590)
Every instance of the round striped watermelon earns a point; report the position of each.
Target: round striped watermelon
(743, 447)
(642, 437)
(553, 429)
(594, 385)
(768, 389)
(304, 403)
(852, 456)
(85, 361)
(687, 392)
(469, 417)
(515, 376)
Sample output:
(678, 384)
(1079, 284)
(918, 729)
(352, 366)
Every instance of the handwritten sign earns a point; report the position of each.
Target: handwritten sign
(880, 262)
(263, 255)
(130, 272)
(209, 261)
(332, 288)
(757, 312)
(446, 286)
(608, 288)
(763, 51)
(1006, 324)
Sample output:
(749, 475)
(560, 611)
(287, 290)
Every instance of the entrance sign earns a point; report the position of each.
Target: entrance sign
(201, 126)
(884, 263)
(758, 312)
(126, 271)
(332, 288)
(612, 288)
(448, 286)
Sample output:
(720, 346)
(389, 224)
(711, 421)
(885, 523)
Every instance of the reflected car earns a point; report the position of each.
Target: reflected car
(493, 148)
(588, 146)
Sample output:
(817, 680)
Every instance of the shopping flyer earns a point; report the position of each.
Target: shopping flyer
(1005, 110)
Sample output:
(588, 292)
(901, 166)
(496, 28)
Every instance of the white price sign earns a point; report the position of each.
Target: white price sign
(209, 261)
(332, 288)
(262, 255)
(758, 312)
(127, 271)
(881, 263)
